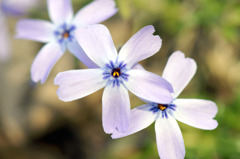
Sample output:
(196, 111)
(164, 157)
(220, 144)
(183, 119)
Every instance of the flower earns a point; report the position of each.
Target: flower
(17, 7)
(10, 8)
(194, 112)
(117, 72)
(59, 35)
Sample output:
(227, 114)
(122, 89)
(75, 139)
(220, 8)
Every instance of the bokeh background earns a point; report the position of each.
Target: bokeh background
(35, 124)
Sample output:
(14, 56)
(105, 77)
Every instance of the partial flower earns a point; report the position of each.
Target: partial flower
(4, 39)
(118, 73)
(17, 7)
(10, 8)
(59, 34)
(194, 112)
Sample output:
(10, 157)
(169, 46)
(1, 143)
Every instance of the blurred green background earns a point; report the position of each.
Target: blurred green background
(35, 124)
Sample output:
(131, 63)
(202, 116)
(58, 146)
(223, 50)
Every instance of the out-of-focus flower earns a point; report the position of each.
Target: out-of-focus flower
(117, 74)
(59, 35)
(17, 7)
(4, 39)
(11, 8)
(194, 112)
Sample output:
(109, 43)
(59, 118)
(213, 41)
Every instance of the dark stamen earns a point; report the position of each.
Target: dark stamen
(162, 107)
(66, 35)
(116, 72)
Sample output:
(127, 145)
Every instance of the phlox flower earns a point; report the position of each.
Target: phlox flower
(194, 112)
(59, 34)
(11, 8)
(17, 7)
(118, 73)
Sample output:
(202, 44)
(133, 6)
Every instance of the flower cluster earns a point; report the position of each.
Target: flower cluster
(118, 73)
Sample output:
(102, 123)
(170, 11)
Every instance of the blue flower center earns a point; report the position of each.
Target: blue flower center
(64, 33)
(163, 109)
(115, 73)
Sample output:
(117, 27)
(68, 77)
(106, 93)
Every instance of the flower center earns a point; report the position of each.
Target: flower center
(162, 107)
(116, 72)
(66, 35)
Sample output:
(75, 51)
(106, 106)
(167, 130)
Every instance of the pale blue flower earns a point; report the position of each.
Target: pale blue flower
(118, 73)
(59, 34)
(11, 8)
(194, 112)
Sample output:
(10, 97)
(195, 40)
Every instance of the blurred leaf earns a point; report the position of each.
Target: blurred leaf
(124, 8)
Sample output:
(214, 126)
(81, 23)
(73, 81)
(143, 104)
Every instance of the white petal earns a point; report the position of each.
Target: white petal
(196, 112)
(141, 117)
(149, 86)
(44, 61)
(95, 12)
(169, 139)
(76, 84)
(141, 46)
(97, 43)
(179, 71)
(138, 67)
(76, 50)
(116, 109)
(60, 11)
(38, 30)
(4, 39)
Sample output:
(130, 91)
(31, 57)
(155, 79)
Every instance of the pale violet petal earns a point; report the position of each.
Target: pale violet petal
(95, 12)
(169, 139)
(141, 117)
(5, 48)
(76, 84)
(115, 109)
(44, 61)
(141, 46)
(77, 51)
(149, 86)
(138, 67)
(37, 30)
(97, 43)
(179, 71)
(17, 7)
(60, 11)
(198, 113)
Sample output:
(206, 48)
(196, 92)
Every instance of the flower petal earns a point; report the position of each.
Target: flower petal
(38, 30)
(77, 51)
(116, 109)
(60, 11)
(141, 46)
(76, 84)
(17, 7)
(138, 67)
(179, 71)
(196, 112)
(95, 12)
(169, 139)
(140, 118)
(97, 43)
(149, 86)
(4, 39)
(44, 61)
